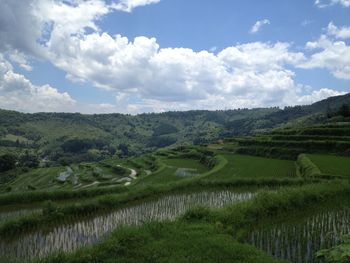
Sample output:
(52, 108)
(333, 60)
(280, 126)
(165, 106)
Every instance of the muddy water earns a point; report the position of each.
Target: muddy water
(80, 233)
(299, 241)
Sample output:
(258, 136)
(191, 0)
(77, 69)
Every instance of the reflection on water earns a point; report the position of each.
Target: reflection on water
(79, 233)
(298, 242)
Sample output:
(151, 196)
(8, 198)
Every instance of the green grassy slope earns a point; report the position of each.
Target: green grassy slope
(168, 242)
(330, 164)
(251, 167)
(45, 133)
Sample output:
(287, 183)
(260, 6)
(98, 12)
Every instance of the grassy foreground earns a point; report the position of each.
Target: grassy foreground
(204, 235)
(167, 242)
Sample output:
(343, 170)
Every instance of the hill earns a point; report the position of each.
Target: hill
(75, 137)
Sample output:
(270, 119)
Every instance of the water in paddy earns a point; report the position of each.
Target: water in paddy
(299, 241)
(13, 213)
(79, 233)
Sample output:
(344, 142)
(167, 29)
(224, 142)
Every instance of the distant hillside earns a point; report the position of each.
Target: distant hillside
(77, 137)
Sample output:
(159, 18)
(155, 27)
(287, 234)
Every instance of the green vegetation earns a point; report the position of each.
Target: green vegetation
(174, 169)
(168, 242)
(158, 242)
(338, 254)
(332, 165)
(49, 159)
(62, 138)
(306, 167)
(251, 167)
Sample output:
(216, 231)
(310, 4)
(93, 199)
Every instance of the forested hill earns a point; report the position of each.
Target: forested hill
(77, 137)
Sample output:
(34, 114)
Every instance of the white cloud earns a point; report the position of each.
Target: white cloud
(129, 5)
(326, 3)
(141, 68)
(15, 33)
(334, 56)
(318, 95)
(18, 93)
(21, 60)
(142, 75)
(341, 33)
(258, 25)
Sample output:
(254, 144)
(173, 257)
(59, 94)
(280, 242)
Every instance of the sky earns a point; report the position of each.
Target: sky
(135, 56)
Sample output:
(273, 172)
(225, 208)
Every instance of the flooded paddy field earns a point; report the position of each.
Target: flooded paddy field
(79, 233)
(299, 240)
(9, 212)
(12, 212)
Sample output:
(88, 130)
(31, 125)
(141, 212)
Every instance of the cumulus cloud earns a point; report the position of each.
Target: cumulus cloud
(318, 95)
(334, 55)
(138, 72)
(258, 25)
(341, 33)
(141, 68)
(18, 93)
(326, 3)
(129, 5)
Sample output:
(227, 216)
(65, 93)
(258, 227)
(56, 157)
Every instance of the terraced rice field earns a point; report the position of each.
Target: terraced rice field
(79, 233)
(299, 241)
(175, 169)
(70, 177)
(332, 165)
(244, 166)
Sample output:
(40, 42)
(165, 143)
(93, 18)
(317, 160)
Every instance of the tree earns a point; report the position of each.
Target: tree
(345, 110)
(29, 160)
(7, 162)
(124, 150)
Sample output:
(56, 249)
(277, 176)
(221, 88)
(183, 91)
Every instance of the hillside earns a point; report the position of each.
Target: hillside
(185, 201)
(74, 137)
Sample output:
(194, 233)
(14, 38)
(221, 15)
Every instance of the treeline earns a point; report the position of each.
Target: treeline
(11, 161)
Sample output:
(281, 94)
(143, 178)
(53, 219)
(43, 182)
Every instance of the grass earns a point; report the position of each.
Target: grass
(186, 163)
(41, 178)
(332, 165)
(251, 167)
(81, 176)
(125, 197)
(168, 242)
(14, 138)
(168, 171)
(204, 235)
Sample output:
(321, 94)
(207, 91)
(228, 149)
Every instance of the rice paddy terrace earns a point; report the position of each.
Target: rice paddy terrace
(280, 196)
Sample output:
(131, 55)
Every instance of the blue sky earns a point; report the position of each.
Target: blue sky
(172, 54)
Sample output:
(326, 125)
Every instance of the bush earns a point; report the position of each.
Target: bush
(7, 162)
(307, 168)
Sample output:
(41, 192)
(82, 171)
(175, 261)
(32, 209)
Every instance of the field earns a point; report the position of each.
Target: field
(84, 175)
(330, 164)
(175, 169)
(251, 167)
(190, 203)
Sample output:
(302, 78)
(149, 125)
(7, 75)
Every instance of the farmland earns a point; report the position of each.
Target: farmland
(152, 206)
(330, 164)
(252, 167)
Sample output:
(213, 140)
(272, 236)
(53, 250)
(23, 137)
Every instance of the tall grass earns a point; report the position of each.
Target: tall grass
(164, 242)
(37, 196)
(306, 167)
(113, 201)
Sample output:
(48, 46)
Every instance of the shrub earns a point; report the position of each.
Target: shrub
(307, 168)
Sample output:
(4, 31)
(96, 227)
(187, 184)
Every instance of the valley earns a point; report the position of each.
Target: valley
(265, 197)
